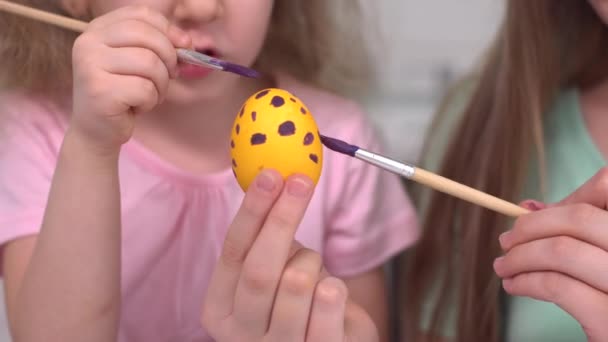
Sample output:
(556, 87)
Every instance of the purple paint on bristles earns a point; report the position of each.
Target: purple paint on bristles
(339, 145)
(238, 69)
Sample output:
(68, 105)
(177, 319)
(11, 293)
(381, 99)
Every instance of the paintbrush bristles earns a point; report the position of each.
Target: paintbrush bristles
(339, 145)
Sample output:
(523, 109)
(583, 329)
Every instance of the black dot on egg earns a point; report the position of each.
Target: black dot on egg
(292, 99)
(234, 163)
(242, 112)
(314, 158)
(277, 101)
(253, 115)
(302, 110)
(232, 143)
(261, 94)
(258, 139)
(237, 129)
(287, 128)
(309, 138)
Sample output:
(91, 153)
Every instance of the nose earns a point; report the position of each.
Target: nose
(191, 12)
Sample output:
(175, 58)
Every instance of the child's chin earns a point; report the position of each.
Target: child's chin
(187, 94)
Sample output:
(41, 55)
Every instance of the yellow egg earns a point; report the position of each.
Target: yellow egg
(274, 129)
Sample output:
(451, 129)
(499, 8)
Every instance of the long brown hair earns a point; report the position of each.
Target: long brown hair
(542, 46)
(305, 40)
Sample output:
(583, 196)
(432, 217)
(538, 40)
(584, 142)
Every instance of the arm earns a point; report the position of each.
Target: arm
(369, 291)
(73, 266)
(64, 285)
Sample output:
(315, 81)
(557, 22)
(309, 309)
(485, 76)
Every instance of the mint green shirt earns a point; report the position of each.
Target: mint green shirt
(572, 158)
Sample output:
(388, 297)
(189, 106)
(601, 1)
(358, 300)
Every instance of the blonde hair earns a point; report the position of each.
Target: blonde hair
(304, 40)
(543, 46)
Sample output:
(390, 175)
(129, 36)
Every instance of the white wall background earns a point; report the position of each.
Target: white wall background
(425, 43)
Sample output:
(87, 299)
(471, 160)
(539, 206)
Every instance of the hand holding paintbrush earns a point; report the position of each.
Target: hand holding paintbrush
(184, 55)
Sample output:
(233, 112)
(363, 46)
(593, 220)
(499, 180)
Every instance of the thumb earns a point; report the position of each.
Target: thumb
(358, 326)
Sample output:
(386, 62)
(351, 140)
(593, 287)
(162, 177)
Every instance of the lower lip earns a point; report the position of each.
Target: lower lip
(193, 72)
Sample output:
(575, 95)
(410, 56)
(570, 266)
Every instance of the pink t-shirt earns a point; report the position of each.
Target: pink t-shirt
(174, 222)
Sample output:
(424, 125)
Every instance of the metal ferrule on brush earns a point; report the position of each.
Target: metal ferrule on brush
(385, 163)
(198, 58)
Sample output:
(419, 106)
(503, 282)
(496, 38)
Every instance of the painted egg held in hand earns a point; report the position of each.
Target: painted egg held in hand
(275, 130)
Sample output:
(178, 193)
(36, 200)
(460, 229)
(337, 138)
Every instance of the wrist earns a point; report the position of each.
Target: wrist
(78, 144)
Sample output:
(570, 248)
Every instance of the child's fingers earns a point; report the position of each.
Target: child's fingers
(265, 262)
(137, 94)
(358, 325)
(328, 311)
(586, 304)
(133, 33)
(240, 237)
(138, 62)
(294, 297)
(563, 254)
(581, 221)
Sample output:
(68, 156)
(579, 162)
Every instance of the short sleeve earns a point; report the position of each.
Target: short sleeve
(28, 149)
(371, 218)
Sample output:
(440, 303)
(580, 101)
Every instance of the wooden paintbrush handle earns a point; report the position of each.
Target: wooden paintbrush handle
(466, 193)
(49, 18)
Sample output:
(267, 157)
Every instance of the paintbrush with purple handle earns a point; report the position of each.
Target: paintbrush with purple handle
(427, 178)
(184, 55)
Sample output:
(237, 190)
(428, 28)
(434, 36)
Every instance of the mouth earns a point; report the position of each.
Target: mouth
(188, 71)
(209, 52)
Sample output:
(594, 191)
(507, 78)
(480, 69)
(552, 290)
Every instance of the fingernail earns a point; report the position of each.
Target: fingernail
(265, 182)
(506, 283)
(504, 237)
(299, 187)
(534, 205)
(498, 260)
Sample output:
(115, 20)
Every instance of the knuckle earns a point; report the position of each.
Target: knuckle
(522, 224)
(331, 291)
(299, 282)
(148, 88)
(552, 286)
(583, 213)
(253, 208)
(560, 247)
(149, 60)
(258, 280)
(97, 86)
(81, 46)
(279, 220)
(232, 255)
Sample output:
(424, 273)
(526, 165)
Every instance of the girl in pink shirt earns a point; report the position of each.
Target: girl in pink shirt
(116, 192)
